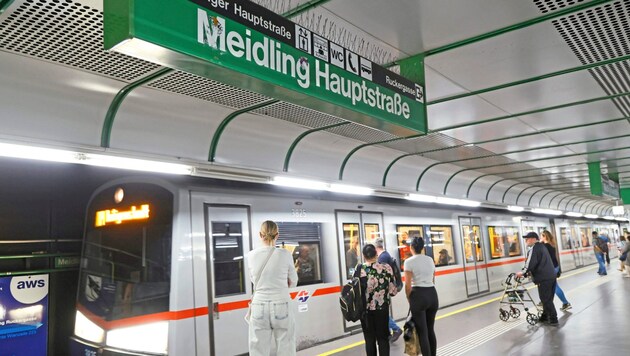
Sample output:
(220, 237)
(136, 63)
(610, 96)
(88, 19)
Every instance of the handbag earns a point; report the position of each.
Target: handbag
(248, 315)
(412, 343)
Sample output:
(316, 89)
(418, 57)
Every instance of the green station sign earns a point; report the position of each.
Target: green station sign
(240, 43)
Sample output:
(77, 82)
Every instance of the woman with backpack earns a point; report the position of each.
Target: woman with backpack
(422, 296)
(379, 285)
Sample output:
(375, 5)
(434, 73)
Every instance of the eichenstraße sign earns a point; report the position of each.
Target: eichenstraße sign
(245, 45)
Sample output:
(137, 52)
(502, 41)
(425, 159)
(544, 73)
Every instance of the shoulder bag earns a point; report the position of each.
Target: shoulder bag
(249, 307)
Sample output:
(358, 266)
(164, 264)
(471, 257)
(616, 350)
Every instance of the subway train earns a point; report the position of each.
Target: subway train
(163, 268)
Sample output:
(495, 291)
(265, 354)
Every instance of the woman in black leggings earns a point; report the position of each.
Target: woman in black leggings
(422, 296)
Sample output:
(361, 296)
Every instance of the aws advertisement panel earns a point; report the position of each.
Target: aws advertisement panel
(24, 315)
(242, 38)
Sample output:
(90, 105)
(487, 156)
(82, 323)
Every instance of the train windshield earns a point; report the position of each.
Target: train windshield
(125, 268)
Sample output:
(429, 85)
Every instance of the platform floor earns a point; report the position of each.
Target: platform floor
(598, 323)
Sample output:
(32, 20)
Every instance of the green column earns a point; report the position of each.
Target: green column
(595, 178)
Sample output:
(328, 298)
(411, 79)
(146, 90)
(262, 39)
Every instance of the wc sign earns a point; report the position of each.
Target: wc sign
(24, 315)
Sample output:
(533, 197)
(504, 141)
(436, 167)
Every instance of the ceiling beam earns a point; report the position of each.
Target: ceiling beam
(110, 116)
(219, 131)
(532, 79)
(518, 26)
(287, 158)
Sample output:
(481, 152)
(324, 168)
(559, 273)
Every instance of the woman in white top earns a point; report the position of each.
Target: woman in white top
(422, 296)
(271, 307)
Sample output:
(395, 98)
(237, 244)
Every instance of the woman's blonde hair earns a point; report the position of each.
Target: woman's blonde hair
(269, 231)
(550, 238)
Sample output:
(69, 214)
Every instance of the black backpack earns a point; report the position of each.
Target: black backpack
(397, 275)
(351, 298)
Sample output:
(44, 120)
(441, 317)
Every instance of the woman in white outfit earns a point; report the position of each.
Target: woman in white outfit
(271, 308)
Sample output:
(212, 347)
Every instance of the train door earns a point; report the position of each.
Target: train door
(578, 254)
(475, 268)
(227, 241)
(354, 230)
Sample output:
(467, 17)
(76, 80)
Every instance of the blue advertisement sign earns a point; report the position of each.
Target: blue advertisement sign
(24, 315)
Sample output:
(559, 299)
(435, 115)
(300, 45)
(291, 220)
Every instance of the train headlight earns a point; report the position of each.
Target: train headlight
(146, 337)
(87, 330)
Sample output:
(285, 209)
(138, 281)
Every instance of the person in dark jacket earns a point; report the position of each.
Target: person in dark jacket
(538, 263)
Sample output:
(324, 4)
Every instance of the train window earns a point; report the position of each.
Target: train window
(504, 241)
(371, 232)
(441, 247)
(303, 241)
(565, 238)
(352, 247)
(405, 233)
(472, 244)
(227, 244)
(126, 264)
(585, 236)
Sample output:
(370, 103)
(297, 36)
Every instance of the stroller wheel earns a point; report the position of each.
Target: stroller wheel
(515, 312)
(504, 315)
(532, 319)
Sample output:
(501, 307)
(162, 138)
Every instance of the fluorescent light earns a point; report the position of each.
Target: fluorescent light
(134, 164)
(618, 210)
(515, 208)
(608, 217)
(447, 201)
(591, 216)
(87, 330)
(65, 156)
(299, 183)
(422, 197)
(546, 211)
(471, 203)
(575, 215)
(151, 337)
(37, 153)
(350, 189)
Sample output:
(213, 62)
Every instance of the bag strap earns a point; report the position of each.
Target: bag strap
(273, 249)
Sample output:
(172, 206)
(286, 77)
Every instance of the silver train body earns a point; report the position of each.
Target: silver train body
(163, 268)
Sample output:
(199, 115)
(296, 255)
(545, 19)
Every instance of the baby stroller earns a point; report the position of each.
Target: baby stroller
(516, 294)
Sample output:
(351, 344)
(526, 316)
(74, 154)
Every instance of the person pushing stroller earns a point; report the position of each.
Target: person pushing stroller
(538, 263)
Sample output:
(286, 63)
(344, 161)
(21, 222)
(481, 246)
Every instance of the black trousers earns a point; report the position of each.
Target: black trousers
(424, 304)
(546, 291)
(375, 325)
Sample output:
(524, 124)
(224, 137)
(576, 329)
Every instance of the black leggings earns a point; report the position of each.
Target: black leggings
(424, 305)
(375, 325)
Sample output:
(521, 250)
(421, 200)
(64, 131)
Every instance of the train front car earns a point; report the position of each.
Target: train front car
(123, 296)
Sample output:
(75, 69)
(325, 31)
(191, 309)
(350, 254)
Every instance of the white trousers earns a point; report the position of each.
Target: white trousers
(272, 320)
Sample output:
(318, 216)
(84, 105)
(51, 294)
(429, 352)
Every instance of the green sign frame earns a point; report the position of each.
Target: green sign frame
(242, 44)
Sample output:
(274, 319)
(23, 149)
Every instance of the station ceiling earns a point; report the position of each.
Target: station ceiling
(521, 95)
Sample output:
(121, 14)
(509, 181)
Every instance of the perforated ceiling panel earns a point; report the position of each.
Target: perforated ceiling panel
(598, 34)
(207, 89)
(68, 33)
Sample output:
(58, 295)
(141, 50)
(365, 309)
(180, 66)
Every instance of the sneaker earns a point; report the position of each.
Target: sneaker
(566, 306)
(396, 335)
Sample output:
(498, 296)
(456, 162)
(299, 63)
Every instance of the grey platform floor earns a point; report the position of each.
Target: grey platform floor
(598, 323)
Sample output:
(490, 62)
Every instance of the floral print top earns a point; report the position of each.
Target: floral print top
(380, 285)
